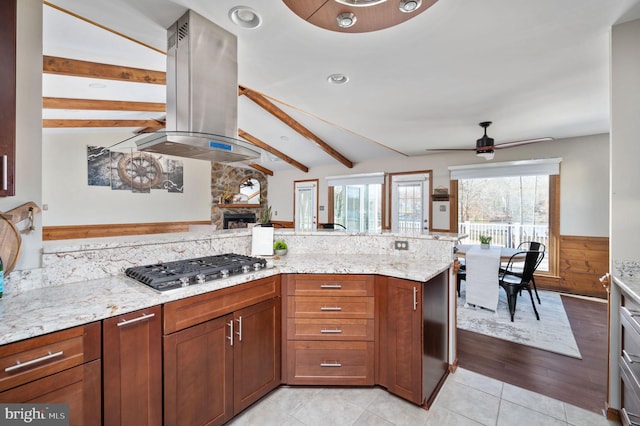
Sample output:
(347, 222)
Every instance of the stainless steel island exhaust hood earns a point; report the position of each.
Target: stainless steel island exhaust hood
(202, 95)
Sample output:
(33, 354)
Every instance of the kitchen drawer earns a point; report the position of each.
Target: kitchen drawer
(194, 310)
(630, 413)
(330, 307)
(38, 357)
(79, 387)
(330, 363)
(330, 329)
(330, 285)
(630, 317)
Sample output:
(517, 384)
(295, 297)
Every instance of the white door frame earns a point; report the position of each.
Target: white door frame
(424, 179)
(299, 187)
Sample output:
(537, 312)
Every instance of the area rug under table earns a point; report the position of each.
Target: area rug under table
(552, 333)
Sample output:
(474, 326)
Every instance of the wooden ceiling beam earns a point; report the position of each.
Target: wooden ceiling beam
(76, 68)
(260, 144)
(102, 105)
(58, 123)
(268, 106)
(259, 168)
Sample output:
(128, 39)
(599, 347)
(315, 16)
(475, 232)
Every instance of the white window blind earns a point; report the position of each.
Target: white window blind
(546, 166)
(360, 179)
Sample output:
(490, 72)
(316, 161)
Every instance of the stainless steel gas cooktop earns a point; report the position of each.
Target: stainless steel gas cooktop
(183, 273)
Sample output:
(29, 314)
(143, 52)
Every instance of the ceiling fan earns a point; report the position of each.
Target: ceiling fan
(485, 146)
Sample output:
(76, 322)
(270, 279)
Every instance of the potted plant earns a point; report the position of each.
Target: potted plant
(280, 248)
(265, 216)
(485, 241)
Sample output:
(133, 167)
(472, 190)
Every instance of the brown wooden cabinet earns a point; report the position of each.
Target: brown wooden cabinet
(58, 368)
(7, 97)
(228, 359)
(132, 361)
(413, 337)
(330, 329)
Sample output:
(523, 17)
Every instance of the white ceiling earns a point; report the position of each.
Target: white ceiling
(534, 68)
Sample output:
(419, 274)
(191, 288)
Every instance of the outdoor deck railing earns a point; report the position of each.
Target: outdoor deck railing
(504, 234)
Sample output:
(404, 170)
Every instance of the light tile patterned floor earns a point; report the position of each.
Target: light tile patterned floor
(466, 398)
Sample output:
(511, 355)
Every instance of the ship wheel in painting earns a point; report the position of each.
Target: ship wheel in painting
(140, 170)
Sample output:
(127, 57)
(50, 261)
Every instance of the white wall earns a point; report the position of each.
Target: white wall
(625, 143)
(71, 201)
(584, 179)
(28, 179)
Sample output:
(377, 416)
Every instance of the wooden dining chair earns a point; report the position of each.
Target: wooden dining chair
(514, 279)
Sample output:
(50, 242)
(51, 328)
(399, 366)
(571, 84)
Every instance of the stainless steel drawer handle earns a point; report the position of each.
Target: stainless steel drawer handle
(239, 332)
(5, 175)
(330, 286)
(630, 358)
(331, 308)
(33, 361)
(627, 418)
(330, 364)
(330, 331)
(134, 320)
(230, 337)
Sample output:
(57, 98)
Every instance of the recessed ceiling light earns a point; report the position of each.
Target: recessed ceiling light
(360, 3)
(408, 6)
(97, 85)
(346, 20)
(337, 79)
(245, 17)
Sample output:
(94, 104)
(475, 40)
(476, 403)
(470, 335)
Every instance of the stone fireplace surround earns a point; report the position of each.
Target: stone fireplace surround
(227, 177)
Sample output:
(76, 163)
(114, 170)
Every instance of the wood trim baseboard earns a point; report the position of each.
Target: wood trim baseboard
(68, 232)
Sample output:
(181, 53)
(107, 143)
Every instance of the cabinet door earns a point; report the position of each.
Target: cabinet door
(257, 352)
(403, 336)
(7, 97)
(132, 361)
(198, 374)
(78, 386)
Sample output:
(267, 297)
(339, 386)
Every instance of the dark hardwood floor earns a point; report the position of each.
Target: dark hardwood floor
(580, 382)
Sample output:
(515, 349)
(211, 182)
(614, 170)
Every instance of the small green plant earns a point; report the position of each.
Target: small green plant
(280, 245)
(485, 239)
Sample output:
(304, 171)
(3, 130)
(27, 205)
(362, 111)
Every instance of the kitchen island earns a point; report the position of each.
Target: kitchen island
(97, 292)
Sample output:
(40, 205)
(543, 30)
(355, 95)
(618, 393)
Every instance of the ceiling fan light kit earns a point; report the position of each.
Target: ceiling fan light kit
(370, 15)
(346, 20)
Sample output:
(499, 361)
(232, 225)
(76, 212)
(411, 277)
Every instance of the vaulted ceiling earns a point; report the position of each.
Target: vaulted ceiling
(533, 68)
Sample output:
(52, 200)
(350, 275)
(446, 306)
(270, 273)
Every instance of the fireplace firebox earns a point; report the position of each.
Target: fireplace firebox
(237, 220)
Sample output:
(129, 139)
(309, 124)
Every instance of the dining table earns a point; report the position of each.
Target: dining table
(505, 252)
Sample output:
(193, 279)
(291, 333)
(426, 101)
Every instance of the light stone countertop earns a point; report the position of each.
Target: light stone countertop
(630, 284)
(44, 310)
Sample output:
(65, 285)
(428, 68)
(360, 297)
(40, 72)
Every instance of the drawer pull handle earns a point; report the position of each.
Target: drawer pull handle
(627, 417)
(330, 364)
(239, 332)
(330, 286)
(5, 179)
(230, 336)
(33, 361)
(630, 358)
(331, 308)
(415, 298)
(329, 331)
(134, 320)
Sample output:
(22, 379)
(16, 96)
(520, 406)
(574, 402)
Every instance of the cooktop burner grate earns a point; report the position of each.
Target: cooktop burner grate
(182, 273)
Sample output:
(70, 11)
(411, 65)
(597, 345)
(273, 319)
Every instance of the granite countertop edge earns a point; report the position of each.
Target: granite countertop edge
(49, 309)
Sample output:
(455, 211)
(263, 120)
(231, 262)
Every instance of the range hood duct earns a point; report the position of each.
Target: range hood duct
(202, 95)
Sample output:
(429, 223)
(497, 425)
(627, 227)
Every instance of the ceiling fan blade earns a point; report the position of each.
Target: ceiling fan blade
(522, 142)
(450, 149)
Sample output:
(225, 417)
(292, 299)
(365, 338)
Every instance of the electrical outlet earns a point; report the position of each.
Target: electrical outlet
(402, 245)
